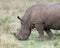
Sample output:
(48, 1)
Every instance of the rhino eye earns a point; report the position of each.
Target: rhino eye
(20, 31)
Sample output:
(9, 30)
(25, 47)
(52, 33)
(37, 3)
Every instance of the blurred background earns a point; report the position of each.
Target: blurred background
(9, 10)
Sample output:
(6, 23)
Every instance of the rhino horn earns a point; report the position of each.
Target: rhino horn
(19, 18)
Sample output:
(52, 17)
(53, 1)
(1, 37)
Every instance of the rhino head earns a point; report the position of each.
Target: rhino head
(24, 32)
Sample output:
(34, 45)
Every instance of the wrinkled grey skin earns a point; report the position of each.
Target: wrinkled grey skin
(43, 17)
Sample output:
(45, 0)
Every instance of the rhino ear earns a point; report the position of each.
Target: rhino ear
(19, 18)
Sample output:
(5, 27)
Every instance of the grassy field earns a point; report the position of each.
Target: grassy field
(9, 10)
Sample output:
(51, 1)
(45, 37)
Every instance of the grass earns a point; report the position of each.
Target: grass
(9, 41)
(9, 10)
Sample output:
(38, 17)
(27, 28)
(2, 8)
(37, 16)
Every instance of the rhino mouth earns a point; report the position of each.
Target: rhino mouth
(20, 37)
(23, 39)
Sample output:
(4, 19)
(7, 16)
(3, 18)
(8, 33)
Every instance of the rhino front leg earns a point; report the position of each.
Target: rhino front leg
(50, 34)
(39, 28)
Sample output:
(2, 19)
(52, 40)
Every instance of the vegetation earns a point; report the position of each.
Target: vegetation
(9, 10)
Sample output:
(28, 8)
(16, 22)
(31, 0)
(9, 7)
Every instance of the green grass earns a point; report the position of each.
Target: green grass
(9, 10)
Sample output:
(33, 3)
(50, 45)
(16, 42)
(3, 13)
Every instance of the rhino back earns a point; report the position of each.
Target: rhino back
(47, 13)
